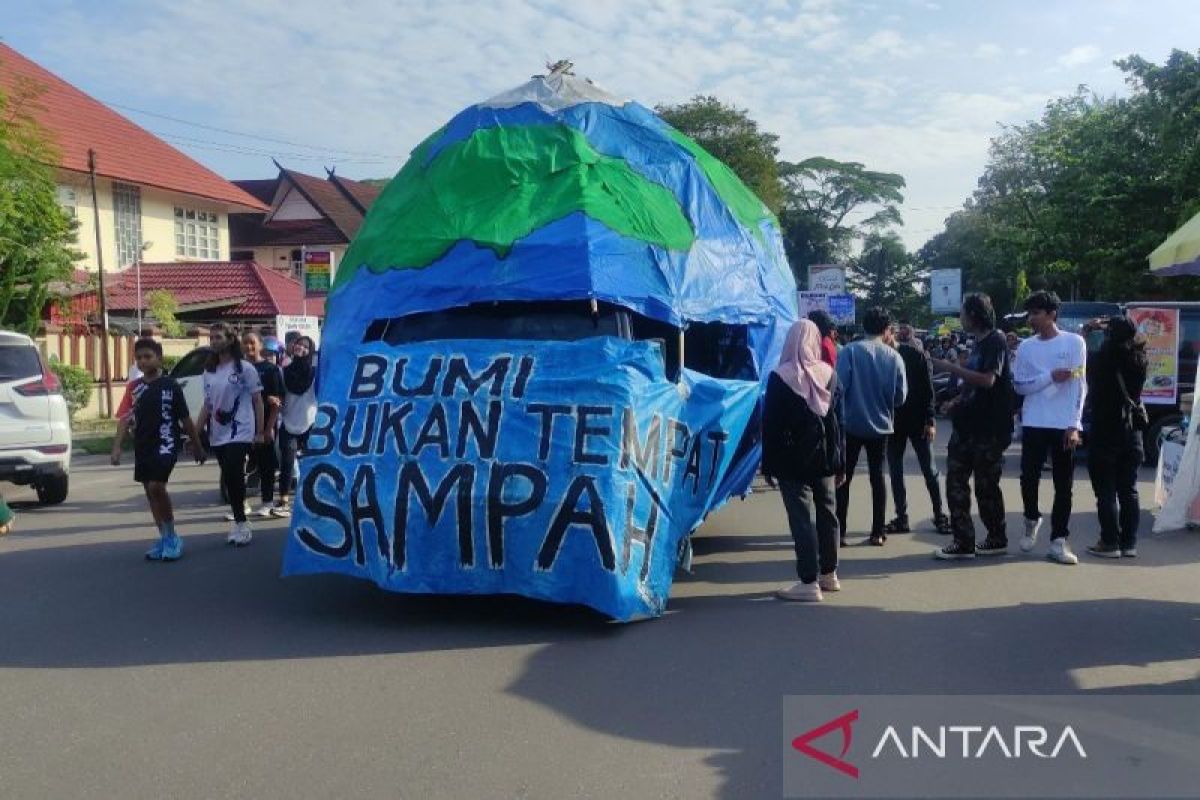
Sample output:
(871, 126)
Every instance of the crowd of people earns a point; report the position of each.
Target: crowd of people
(826, 404)
(259, 403)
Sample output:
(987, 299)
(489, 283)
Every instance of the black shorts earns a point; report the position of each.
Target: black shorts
(152, 467)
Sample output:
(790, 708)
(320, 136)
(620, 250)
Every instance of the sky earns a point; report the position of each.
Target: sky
(916, 87)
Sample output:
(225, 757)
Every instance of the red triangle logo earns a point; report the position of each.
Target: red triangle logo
(803, 743)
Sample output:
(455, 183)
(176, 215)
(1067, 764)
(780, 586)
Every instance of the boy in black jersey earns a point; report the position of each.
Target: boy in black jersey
(159, 412)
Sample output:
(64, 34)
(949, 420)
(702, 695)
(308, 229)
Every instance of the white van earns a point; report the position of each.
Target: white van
(35, 424)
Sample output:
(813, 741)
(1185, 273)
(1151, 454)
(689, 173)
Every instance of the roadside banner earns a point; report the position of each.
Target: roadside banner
(945, 290)
(1182, 505)
(318, 272)
(811, 301)
(309, 326)
(841, 308)
(829, 278)
(838, 306)
(1170, 456)
(1160, 326)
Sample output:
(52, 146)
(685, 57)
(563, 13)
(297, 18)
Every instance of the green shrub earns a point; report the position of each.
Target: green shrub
(76, 384)
(168, 363)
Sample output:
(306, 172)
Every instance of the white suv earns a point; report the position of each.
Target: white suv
(35, 425)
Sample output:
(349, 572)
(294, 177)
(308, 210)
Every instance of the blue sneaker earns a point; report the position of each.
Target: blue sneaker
(172, 547)
(156, 553)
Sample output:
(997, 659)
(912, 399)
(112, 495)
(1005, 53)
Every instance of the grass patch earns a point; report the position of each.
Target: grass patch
(101, 445)
(93, 427)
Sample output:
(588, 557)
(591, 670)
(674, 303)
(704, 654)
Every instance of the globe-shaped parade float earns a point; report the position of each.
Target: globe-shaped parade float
(543, 358)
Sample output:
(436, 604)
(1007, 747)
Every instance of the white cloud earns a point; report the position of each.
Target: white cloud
(885, 42)
(888, 84)
(1078, 56)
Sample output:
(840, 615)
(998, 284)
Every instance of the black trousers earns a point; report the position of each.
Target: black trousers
(267, 462)
(232, 459)
(1036, 444)
(875, 447)
(923, 448)
(289, 445)
(1114, 473)
(811, 518)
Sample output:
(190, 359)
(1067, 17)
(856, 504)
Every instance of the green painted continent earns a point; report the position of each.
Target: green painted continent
(499, 186)
(744, 204)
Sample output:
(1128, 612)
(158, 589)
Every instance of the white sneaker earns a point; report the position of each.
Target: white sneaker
(830, 582)
(262, 511)
(281, 510)
(801, 593)
(1031, 532)
(244, 534)
(1060, 552)
(234, 532)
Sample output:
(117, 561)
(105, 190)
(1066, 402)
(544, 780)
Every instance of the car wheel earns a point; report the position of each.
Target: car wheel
(1158, 432)
(53, 490)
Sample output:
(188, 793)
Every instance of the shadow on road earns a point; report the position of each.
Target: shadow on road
(710, 675)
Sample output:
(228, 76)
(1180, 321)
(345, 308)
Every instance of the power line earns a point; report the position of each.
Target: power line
(251, 135)
(229, 147)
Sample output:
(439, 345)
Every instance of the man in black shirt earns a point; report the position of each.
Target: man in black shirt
(159, 412)
(914, 424)
(982, 417)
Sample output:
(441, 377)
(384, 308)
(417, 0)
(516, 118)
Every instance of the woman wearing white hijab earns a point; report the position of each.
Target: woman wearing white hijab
(803, 450)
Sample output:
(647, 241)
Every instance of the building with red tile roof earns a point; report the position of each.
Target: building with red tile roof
(306, 212)
(154, 201)
(239, 292)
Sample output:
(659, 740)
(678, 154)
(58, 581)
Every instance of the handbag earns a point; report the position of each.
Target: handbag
(1135, 412)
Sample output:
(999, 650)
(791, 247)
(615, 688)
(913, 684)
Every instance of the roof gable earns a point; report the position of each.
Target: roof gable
(124, 150)
(306, 210)
(294, 206)
(328, 199)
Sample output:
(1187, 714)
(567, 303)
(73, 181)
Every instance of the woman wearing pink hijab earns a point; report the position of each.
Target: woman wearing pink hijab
(803, 450)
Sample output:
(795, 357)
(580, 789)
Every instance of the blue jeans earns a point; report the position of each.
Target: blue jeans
(924, 451)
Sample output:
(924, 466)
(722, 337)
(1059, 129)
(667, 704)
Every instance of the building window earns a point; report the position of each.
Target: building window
(197, 233)
(127, 209)
(67, 201)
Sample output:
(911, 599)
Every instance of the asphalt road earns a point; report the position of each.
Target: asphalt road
(214, 677)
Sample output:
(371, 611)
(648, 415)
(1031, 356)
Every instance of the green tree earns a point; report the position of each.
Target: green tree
(36, 235)
(821, 196)
(162, 306)
(1075, 200)
(969, 243)
(885, 274)
(729, 133)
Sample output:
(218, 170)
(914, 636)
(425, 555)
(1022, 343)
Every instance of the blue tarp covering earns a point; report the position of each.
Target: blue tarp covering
(571, 472)
(355, 498)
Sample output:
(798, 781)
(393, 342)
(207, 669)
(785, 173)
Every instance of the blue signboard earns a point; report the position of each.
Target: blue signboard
(841, 308)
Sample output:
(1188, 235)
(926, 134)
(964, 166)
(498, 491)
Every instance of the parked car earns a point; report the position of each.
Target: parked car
(35, 424)
(188, 372)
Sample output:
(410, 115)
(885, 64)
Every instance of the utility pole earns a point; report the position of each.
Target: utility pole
(105, 375)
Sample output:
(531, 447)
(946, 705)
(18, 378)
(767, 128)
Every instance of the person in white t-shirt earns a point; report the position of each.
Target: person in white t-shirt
(1050, 372)
(233, 411)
